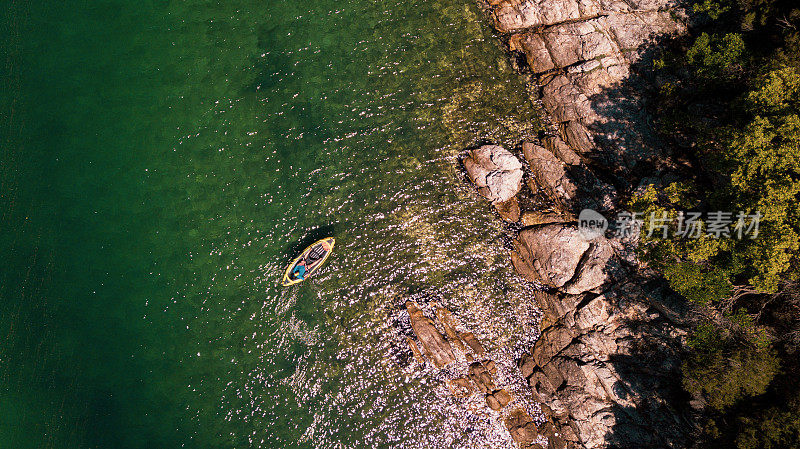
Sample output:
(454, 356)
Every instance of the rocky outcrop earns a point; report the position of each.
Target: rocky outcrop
(478, 376)
(563, 177)
(606, 365)
(550, 174)
(513, 15)
(558, 256)
(436, 347)
(498, 176)
(581, 53)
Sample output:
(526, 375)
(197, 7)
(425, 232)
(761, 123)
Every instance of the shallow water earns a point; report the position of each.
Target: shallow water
(163, 161)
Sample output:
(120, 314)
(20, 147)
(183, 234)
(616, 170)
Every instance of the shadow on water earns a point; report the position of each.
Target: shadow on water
(275, 65)
(275, 69)
(313, 235)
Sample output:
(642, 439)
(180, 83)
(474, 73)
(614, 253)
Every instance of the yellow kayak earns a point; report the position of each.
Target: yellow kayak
(310, 260)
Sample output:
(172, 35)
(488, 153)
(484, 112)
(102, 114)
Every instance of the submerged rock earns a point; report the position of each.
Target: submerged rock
(523, 430)
(415, 350)
(499, 399)
(473, 343)
(476, 378)
(460, 387)
(482, 378)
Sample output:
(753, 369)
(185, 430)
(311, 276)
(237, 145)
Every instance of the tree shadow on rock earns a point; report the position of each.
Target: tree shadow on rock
(627, 136)
(653, 410)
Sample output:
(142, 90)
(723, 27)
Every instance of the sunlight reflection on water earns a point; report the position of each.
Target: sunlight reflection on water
(285, 123)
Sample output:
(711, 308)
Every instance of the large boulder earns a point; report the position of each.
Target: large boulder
(495, 171)
(510, 15)
(558, 256)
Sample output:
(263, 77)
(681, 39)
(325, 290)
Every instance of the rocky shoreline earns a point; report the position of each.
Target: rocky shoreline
(584, 56)
(606, 368)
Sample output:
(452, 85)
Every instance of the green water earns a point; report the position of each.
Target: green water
(162, 161)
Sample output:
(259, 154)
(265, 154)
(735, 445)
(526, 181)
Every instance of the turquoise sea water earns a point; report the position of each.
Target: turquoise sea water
(162, 161)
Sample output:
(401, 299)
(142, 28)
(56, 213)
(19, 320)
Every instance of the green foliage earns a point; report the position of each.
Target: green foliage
(777, 94)
(729, 100)
(762, 161)
(694, 267)
(716, 56)
(713, 8)
(765, 158)
(725, 371)
(697, 283)
(776, 428)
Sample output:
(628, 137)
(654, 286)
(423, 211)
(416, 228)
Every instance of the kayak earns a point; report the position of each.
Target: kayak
(313, 257)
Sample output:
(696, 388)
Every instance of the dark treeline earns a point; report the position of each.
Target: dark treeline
(729, 104)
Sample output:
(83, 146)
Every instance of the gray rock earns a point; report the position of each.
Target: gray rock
(482, 378)
(589, 367)
(513, 15)
(472, 342)
(581, 51)
(523, 430)
(566, 44)
(556, 255)
(552, 251)
(594, 270)
(550, 174)
(562, 151)
(495, 171)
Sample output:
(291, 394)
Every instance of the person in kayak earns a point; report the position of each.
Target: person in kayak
(299, 271)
